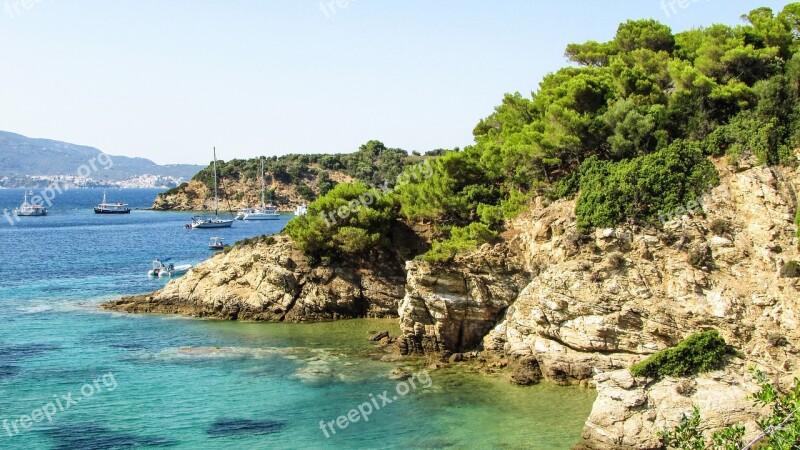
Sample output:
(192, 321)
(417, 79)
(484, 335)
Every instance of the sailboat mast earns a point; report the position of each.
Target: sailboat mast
(262, 183)
(216, 196)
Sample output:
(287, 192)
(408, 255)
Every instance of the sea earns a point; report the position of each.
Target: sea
(75, 377)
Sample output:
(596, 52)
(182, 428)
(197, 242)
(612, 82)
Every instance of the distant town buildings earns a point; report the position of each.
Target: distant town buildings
(75, 182)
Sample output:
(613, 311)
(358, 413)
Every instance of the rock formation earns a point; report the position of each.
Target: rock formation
(562, 304)
(271, 280)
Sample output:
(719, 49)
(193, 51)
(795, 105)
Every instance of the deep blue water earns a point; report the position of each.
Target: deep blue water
(172, 382)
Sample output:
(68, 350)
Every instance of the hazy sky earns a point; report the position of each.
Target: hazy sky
(169, 79)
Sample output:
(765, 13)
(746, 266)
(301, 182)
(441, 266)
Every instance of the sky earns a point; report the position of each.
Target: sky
(170, 79)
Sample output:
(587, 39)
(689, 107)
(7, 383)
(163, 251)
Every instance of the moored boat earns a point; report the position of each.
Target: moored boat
(265, 212)
(301, 210)
(111, 208)
(217, 243)
(27, 209)
(162, 268)
(201, 222)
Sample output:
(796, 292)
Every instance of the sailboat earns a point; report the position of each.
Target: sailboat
(30, 209)
(111, 208)
(265, 212)
(216, 221)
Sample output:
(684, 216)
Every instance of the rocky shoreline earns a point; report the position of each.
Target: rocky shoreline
(557, 304)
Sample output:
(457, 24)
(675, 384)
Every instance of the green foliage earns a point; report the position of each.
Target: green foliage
(373, 163)
(702, 352)
(630, 128)
(721, 227)
(640, 188)
(644, 34)
(453, 193)
(781, 427)
(306, 192)
(687, 435)
(266, 239)
(350, 220)
(461, 239)
(324, 182)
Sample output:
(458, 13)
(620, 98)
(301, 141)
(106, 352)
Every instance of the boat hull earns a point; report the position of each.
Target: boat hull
(108, 211)
(215, 224)
(257, 216)
(30, 213)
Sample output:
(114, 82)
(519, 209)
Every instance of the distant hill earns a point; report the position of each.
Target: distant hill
(21, 156)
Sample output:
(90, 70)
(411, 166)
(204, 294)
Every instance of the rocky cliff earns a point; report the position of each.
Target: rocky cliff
(561, 304)
(239, 194)
(596, 303)
(270, 280)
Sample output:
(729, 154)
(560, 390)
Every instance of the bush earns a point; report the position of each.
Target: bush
(781, 428)
(305, 192)
(721, 227)
(349, 220)
(461, 240)
(790, 270)
(702, 352)
(700, 256)
(638, 189)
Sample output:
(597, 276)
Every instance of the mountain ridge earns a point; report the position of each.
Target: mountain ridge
(23, 156)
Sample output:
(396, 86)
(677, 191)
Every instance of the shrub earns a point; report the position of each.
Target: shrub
(721, 227)
(461, 239)
(616, 260)
(790, 270)
(349, 220)
(781, 428)
(305, 192)
(702, 352)
(637, 189)
(700, 256)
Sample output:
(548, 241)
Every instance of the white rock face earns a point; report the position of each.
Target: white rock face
(628, 413)
(600, 302)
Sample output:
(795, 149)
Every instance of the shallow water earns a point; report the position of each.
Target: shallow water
(171, 382)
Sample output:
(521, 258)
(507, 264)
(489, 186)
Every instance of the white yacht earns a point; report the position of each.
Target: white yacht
(301, 210)
(200, 222)
(27, 209)
(265, 212)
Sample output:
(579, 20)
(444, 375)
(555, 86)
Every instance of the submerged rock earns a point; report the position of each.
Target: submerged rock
(237, 427)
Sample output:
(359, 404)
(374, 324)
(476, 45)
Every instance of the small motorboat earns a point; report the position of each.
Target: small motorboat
(217, 244)
(163, 268)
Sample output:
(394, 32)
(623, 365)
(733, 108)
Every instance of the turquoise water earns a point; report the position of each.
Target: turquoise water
(113, 381)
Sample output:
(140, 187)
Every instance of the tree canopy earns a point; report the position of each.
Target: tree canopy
(628, 127)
